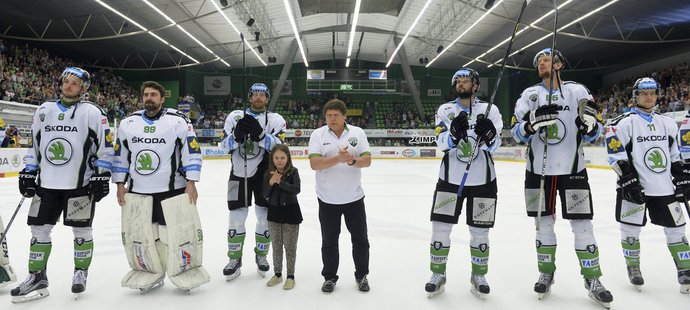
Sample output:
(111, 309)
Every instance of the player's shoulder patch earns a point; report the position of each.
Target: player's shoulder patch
(193, 145)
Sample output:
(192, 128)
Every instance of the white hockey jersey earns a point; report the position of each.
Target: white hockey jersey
(456, 156)
(274, 128)
(564, 154)
(649, 142)
(156, 155)
(69, 144)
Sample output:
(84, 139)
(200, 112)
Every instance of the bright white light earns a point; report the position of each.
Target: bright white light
(159, 11)
(238, 32)
(347, 62)
(354, 25)
(288, 10)
(121, 15)
(407, 33)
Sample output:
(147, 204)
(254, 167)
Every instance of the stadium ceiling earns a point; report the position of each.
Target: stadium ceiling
(618, 35)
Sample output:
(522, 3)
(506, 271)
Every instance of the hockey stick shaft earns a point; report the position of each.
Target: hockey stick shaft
(493, 96)
(9, 224)
(542, 179)
(246, 138)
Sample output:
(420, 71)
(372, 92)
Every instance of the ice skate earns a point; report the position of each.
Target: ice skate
(79, 282)
(147, 289)
(262, 265)
(436, 285)
(684, 280)
(480, 287)
(543, 285)
(232, 269)
(598, 292)
(635, 276)
(34, 287)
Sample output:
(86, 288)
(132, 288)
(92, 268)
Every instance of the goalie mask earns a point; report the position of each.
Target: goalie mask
(80, 73)
(557, 57)
(259, 87)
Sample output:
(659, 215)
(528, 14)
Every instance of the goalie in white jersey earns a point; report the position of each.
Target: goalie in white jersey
(643, 150)
(158, 157)
(568, 121)
(460, 124)
(67, 172)
(249, 137)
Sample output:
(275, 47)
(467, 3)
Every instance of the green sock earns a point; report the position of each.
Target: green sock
(38, 256)
(631, 251)
(235, 243)
(439, 256)
(83, 251)
(263, 242)
(480, 259)
(546, 258)
(589, 262)
(681, 255)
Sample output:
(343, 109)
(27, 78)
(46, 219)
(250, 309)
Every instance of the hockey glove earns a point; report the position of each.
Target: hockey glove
(240, 132)
(256, 132)
(630, 185)
(543, 116)
(27, 183)
(98, 185)
(586, 120)
(681, 179)
(459, 127)
(485, 130)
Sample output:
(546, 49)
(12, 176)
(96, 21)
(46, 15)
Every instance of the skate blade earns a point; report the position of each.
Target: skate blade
(154, 286)
(477, 293)
(233, 276)
(685, 288)
(601, 303)
(76, 296)
(437, 292)
(37, 294)
(543, 295)
(261, 273)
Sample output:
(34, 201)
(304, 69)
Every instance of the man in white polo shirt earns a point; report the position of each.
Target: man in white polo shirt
(337, 152)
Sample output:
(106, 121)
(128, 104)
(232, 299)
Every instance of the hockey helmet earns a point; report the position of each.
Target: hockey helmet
(82, 74)
(259, 87)
(558, 57)
(465, 72)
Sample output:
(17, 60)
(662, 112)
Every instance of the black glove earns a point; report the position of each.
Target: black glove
(681, 179)
(27, 183)
(543, 116)
(99, 186)
(485, 130)
(240, 132)
(630, 185)
(256, 132)
(459, 127)
(586, 120)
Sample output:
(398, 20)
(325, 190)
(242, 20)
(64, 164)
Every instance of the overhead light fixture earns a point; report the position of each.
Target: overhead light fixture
(256, 35)
(559, 29)
(271, 59)
(224, 3)
(439, 49)
(397, 48)
(261, 49)
(238, 32)
(421, 60)
(358, 3)
(250, 22)
(465, 32)
(288, 11)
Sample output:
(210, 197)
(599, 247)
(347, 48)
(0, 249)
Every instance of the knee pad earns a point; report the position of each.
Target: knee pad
(237, 219)
(85, 233)
(545, 234)
(630, 231)
(675, 235)
(41, 233)
(479, 236)
(440, 232)
(584, 233)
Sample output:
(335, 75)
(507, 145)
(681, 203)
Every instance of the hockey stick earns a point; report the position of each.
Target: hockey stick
(542, 179)
(493, 95)
(9, 224)
(246, 138)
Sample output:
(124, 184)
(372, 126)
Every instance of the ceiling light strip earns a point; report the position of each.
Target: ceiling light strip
(407, 33)
(288, 10)
(358, 3)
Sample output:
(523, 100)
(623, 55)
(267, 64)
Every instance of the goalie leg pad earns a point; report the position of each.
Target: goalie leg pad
(185, 243)
(7, 275)
(139, 240)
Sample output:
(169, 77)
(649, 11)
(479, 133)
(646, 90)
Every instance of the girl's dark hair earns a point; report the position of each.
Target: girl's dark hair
(288, 166)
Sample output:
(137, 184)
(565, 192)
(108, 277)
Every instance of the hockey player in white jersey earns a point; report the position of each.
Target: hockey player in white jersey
(570, 120)
(249, 137)
(643, 149)
(158, 158)
(67, 172)
(460, 124)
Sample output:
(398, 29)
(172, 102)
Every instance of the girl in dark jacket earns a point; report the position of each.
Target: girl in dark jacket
(281, 186)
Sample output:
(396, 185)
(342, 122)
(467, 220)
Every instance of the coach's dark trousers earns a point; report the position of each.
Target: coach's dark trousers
(356, 223)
